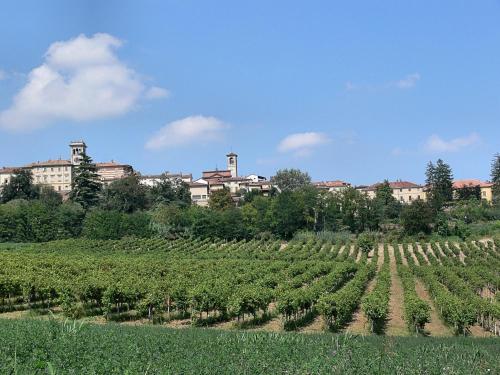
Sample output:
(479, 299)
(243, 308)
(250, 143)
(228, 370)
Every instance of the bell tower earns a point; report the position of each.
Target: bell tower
(232, 164)
(77, 149)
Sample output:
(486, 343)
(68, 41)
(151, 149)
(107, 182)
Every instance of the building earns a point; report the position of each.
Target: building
(485, 188)
(403, 191)
(55, 173)
(227, 179)
(6, 174)
(112, 171)
(152, 180)
(58, 173)
(332, 186)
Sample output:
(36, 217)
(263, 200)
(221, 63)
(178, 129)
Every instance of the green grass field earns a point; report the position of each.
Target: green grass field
(41, 347)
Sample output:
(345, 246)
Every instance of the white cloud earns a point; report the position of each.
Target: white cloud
(436, 144)
(189, 130)
(157, 93)
(408, 82)
(3, 75)
(405, 83)
(80, 79)
(302, 144)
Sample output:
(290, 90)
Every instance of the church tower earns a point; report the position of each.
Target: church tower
(77, 149)
(232, 164)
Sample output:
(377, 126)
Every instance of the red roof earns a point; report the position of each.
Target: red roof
(332, 184)
(395, 185)
(216, 174)
(460, 184)
(9, 170)
(49, 163)
(111, 164)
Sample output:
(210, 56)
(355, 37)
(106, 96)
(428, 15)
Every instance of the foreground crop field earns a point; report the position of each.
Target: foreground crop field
(33, 346)
(314, 285)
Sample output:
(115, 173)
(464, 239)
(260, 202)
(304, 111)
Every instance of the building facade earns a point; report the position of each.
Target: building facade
(58, 173)
(485, 188)
(403, 191)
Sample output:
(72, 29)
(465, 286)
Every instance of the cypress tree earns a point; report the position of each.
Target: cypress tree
(439, 183)
(495, 177)
(85, 187)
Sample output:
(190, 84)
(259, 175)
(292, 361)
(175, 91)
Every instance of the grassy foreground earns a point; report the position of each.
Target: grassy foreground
(35, 346)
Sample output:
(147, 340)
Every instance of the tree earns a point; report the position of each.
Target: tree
(20, 186)
(495, 177)
(417, 217)
(469, 192)
(85, 187)
(439, 180)
(170, 191)
(49, 196)
(291, 179)
(221, 200)
(287, 214)
(387, 206)
(125, 195)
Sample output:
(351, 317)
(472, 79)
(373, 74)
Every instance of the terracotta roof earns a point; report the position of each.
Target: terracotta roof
(197, 184)
(49, 162)
(215, 174)
(228, 179)
(332, 184)
(460, 184)
(6, 170)
(168, 175)
(395, 185)
(111, 164)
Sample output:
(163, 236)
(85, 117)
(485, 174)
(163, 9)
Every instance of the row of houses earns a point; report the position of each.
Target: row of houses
(59, 173)
(406, 191)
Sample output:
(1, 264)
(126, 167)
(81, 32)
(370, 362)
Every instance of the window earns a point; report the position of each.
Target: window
(409, 189)
(409, 198)
(484, 194)
(196, 197)
(418, 196)
(401, 190)
(401, 199)
(52, 169)
(59, 188)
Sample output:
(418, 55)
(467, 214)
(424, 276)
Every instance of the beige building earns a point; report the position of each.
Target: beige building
(58, 173)
(486, 188)
(403, 191)
(227, 179)
(332, 186)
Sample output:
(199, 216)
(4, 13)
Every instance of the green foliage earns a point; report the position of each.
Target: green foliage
(439, 181)
(125, 195)
(417, 217)
(20, 186)
(366, 241)
(86, 186)
(169, 191)
(495, 177)
(221, 200)
(107, 225)
(291, 179)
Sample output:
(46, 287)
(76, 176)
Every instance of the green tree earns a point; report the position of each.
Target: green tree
(170, 191)
(439, 180)
(125, 195)
(49, 196)
(495, 177)
(291, 179)
(20, 186)
(386, 205)
(85, 187)
(469, 192)
(417, 217)
(287, 214)
(221, 200)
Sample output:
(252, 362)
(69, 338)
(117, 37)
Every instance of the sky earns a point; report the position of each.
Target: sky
(354, 90)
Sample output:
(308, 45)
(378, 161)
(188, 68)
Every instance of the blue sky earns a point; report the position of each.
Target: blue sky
(359, 91)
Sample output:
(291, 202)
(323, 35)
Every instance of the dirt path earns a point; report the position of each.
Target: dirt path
(342, 248)
(448, 249)
(358, 257)
(478, 331)
(441, 252)
(274, 325)
(351, 251)
(430, 251)
(395, 325)
(359, 322)
(318, 325)
(403, 258)
(421, 251)
(435, 327)
(412, 254)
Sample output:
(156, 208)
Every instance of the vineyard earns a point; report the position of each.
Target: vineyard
(304, 285)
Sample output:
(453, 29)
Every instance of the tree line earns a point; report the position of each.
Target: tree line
(127, 208)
